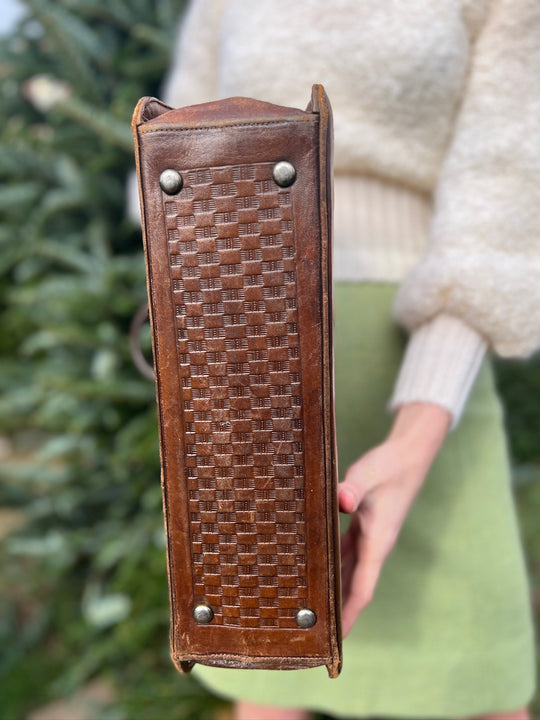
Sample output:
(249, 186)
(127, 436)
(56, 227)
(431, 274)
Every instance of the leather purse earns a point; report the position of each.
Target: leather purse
(236, 208)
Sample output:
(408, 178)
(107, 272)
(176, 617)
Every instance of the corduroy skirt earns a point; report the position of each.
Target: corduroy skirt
(449, 631)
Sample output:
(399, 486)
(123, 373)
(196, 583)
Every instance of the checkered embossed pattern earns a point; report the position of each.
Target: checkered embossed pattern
(232, 265)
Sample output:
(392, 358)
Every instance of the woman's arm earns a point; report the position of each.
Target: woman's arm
(378, 491)
(481, 270)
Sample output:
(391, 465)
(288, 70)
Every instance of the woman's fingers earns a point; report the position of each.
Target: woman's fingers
(361, 584)
(359, 572)
(378, 491)
(348, 542)
(372, 535)
(347, 569)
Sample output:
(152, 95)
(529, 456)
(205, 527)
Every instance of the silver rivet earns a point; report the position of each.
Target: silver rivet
(305, 618)
(284, 173)
(203, 614)
(170, 181)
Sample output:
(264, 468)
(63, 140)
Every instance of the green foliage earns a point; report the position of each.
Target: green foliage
(83, 586)
(519, 384)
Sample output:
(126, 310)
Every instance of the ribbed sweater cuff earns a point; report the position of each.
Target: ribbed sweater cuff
(440, 364)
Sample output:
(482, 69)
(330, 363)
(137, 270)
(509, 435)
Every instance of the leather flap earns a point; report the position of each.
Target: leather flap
(233, 109)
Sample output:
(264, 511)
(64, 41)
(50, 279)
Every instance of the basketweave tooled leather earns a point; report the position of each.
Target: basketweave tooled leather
(239, 284)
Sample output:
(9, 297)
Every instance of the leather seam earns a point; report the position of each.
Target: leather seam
(256, 658)
(199, 128)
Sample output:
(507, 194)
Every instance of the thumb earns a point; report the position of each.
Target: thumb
(360, 478)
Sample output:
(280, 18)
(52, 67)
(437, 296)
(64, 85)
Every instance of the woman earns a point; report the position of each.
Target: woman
(437, 161)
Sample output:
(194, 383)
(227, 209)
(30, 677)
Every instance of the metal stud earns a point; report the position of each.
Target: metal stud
(305, 618)
(203, 614)
(170, 181)
(284, 173)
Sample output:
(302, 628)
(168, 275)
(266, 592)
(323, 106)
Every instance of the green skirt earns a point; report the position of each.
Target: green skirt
(449, 631)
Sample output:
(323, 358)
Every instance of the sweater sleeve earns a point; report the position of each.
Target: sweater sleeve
(482, 264)
(441, 362)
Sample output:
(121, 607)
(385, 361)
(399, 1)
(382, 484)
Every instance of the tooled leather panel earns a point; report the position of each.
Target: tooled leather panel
(252, 627)
(232, 264)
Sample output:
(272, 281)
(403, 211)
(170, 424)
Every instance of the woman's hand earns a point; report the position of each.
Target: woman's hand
(378, 490)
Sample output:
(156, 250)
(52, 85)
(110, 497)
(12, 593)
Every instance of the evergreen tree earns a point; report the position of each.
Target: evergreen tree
(83, 585)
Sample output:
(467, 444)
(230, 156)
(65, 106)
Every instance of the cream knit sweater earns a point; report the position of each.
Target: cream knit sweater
(437, 155)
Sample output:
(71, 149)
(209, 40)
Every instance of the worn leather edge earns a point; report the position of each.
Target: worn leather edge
(167, 127)
(141, 109)
(321, 105)
(152, 115)
(228, 110)
(147, 109)
(300, 662)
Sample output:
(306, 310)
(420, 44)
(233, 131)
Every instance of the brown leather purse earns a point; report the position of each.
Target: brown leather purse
(236, 206)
